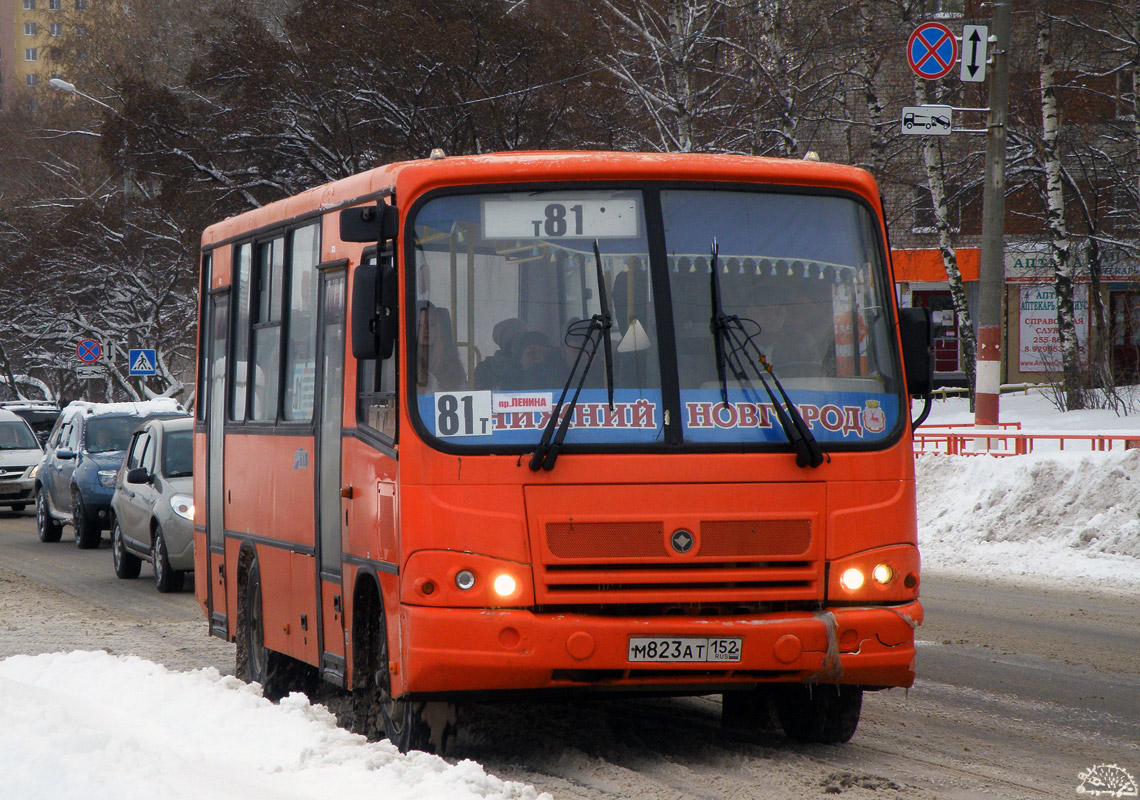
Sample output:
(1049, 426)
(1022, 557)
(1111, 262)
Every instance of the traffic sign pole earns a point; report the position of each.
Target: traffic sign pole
(987, 386)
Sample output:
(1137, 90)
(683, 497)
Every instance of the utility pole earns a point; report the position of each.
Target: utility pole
(987, 385)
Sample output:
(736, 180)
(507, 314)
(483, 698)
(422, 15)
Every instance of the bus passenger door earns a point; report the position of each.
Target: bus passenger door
(329, 503)
(219, 325)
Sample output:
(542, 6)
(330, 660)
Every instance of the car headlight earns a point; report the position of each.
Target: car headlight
(107, 478)
(183, 506)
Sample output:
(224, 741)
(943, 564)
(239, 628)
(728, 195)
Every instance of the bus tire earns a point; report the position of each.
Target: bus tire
(819, 714)
(127, 565)
(407, 723)
(256, 663)
(48, 529)
(749, 710)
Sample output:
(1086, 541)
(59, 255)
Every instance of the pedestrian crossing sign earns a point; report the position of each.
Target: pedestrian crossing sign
(142, 362)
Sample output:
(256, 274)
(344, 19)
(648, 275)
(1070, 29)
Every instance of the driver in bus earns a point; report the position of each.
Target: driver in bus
(438, 367)
(795, 337)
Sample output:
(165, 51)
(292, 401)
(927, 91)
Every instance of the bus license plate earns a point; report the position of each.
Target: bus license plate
(684, 649)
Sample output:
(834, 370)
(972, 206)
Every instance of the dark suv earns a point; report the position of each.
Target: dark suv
(76, 478)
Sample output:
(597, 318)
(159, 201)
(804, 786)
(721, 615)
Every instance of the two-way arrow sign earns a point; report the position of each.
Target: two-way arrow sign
(974, 45)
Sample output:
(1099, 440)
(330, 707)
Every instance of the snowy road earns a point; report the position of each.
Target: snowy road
(1020, 691)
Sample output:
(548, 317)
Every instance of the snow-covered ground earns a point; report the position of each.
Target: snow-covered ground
(1067, 518)
(102, 727)
(96, 726)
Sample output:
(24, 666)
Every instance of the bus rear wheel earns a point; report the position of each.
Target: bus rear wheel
(819, 714)
(256, 663)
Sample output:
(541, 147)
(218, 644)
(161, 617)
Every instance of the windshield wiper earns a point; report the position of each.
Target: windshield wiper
(729, 329)
(548, 446)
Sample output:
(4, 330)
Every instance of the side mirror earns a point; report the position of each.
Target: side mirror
(377, 223)
(916, 329)
(374, 309)
(364, 296)
(64, 454)
(138, 475)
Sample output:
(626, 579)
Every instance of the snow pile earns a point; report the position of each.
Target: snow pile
(1070, 515)
(1050, 515)
(143, 408)
(102, 727)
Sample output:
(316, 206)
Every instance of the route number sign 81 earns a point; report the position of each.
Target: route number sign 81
(578, 217)
(463, 414)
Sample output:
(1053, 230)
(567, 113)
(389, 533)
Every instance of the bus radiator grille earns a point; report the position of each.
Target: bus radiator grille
(714, 539)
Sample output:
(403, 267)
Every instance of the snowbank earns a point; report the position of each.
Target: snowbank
(1070, 517)
(102, 727)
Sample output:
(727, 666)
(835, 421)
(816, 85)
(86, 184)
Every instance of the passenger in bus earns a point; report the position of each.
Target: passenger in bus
(540, 364)
(438, 367)
(501, 369)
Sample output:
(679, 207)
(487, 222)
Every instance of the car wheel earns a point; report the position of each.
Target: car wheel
(127, 565)
(48, 529)
(166, 578)
(87, 533)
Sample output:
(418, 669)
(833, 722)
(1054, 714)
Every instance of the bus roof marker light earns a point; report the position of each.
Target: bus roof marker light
(437, 154)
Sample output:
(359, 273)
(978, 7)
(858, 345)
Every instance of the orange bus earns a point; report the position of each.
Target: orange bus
(562, 422)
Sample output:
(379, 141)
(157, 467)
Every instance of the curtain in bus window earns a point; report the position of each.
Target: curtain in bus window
(803, 277)
(267, 330)
(301, 346)
(506, 285)
(242, 265)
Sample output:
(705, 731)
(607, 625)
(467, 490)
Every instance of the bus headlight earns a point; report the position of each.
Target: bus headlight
(851, 579)
(881, 575)
(505, 585)
(465, 580)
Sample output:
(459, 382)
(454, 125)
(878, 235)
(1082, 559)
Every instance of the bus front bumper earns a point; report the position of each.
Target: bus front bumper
(450, 650)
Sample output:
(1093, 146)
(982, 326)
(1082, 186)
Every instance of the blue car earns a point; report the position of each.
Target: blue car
(75, 480)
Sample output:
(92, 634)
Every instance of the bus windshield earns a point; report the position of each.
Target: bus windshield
(503, 282)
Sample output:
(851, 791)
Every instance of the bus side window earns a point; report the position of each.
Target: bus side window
(376, 393)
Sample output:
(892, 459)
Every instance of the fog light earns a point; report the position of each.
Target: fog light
(465, 579)
(883, 574)
(504, 585)
(851, 579)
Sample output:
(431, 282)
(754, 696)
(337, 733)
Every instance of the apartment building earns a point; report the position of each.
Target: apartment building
(28, 29)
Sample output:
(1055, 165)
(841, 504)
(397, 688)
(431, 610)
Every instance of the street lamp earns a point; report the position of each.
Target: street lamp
(64, 86)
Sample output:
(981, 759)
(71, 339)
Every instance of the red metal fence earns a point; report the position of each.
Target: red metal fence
(1010, 440)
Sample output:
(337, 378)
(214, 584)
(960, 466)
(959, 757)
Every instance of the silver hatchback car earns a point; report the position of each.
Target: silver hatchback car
(152, 510)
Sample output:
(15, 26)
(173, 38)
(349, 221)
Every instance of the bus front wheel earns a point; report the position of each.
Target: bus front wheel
(407, 723)
(823, 714)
